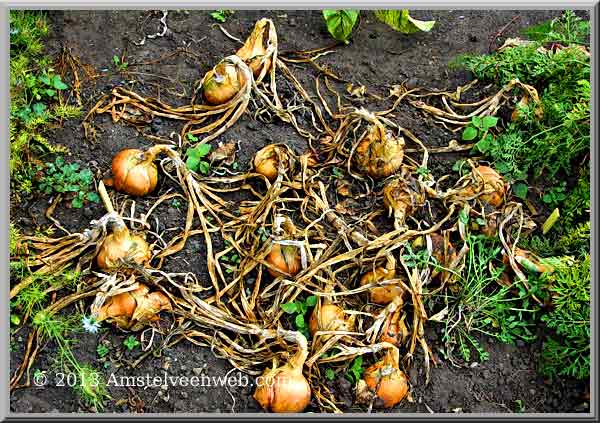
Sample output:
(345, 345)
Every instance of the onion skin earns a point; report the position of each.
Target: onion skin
(382, 294)
(284, 390)
(285, 259)
(253, 50)
(222, 83)
(394, 330)
(329, 317)
(489, 181)
(387, 381)
(401, 199)
(122, 245)
(267, 160)
(132, 310)
(379, 154)
(443, 252)
(134, 172)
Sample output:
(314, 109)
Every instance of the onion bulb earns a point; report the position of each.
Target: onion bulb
(284, 260)
(132, 310)
(285, 389)
(394, 330)
(385, 380)
(379, 154)
(488, 182)
(268, 160)
(222, 83)
(382, 294)
(401, 198)
(122, 246)
(254, 52)
(329, 317)
(134, 171)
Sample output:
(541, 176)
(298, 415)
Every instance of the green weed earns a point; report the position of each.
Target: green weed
(68, 178)
(299, 309)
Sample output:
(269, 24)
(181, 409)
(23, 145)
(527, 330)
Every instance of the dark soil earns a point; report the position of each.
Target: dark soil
(377, 57)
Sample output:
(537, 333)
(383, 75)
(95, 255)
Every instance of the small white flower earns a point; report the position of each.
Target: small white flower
(90, 324)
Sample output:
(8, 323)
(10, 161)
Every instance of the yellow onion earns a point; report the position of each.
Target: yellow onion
(134, 309)
(285, 389)
(401, 198)
(254, 52)
(284, 260)
(394, 330)
(134, 171)
(222, 83)
(122, 246)
(379, 154)
(329, 317)
(382, 294)
(385, 380)
(485, 179)
(268, 159)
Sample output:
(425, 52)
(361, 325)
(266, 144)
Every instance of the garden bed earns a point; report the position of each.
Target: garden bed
(167, 68)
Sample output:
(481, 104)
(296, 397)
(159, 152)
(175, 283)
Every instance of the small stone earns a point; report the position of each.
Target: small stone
(250, 281)
(532, 391)
(292, 22)
(184, 395)
(183, 367)
(412, 83)
(197, 371)
(164, 387)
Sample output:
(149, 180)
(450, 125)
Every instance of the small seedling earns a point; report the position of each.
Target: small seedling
(355, 370)
(102, 350)
(60, 177)
(221, 15)
(337, 173)
(300, 309)
(479, 129)
(119, 64)
(554, 196)
(131, 343)
(520, 406)
(329, 374)
(195, 157)
(423, 171)
(176, 204)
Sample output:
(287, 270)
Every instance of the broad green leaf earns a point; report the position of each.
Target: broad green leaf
(204, 167)
(340, 23)
(58, 84)
(199, 151)
(400, 20)
(289, 308)
(77, 203)
(44, 78)
(311, 301)
(93, 197)
(300, 324)
(470, 133)
(192, 163)
(520, 190)
(489, 122)
(477, 121)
